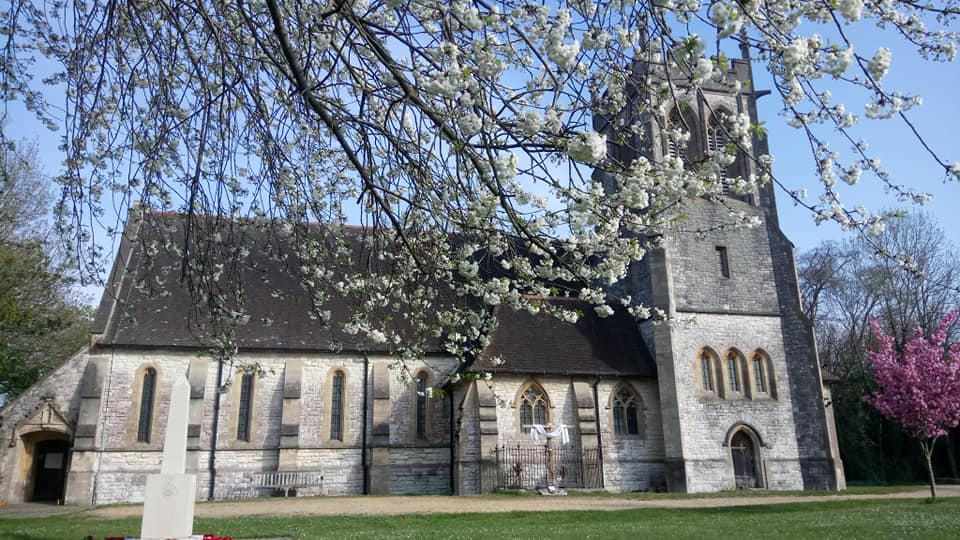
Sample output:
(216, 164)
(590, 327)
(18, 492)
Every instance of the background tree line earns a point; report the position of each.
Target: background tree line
(904, 278)
(42, 319)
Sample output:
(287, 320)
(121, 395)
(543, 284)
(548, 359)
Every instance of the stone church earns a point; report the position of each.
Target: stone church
(727, 394)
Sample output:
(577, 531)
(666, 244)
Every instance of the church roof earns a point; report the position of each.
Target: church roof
(146, 305)
(542, 343)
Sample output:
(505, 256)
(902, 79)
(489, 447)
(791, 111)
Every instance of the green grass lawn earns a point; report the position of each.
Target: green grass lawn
(821, 520)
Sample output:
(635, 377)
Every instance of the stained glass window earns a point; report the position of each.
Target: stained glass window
(243, 419)
(146, 405)
(422, 406)
(336, 407)
(533, 408)
(626, 413)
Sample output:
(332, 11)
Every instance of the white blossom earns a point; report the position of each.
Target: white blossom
(878, 65)
(530, 122)
(603, 311)
(564, 54)
(852, 175)
(851, 9)
(838, 61)
(553, 121)
(488, 123)
(595, 39)
(470, 124)
(876, 228)
(588, 147)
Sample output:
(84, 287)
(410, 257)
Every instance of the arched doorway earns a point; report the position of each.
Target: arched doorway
(49, 470)
(746, 462)
(42, 446)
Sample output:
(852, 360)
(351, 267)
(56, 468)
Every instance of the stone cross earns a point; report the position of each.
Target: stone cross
(170, 496)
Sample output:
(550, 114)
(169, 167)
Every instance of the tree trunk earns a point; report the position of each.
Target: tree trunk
(927, 453)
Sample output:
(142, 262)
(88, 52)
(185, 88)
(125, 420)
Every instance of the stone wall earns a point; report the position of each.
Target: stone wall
(741, 312)
(342, 470)
(420, 470)
(561, 410)
(630, 462)
(822, 467)
(21, 428)
(706, 419)
(698, 285)
(119, 463)
(467, 450)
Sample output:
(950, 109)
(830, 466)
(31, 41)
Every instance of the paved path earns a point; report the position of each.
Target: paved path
(373, 505)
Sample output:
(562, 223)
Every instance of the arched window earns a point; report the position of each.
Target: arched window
(626, 412)
(246, 405)
(707, 369)
(533, 407)
(686, 124)
(336, 406)
(717, 135)
(422, 383)
(148, 392)
(734, 372)
(761, 375)
(716, 143)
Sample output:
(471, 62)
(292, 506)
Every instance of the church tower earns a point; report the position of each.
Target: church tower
(742, 400)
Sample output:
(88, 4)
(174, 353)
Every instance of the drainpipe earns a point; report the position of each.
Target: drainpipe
(216, 426)
(449, 398)
(363, 443)
(596, 415)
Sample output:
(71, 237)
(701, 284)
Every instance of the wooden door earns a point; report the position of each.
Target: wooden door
(744, 460)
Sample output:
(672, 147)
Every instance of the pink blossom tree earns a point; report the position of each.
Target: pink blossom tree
(919, 386)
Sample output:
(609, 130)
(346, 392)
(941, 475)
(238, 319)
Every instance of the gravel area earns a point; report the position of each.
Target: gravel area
(394, 505)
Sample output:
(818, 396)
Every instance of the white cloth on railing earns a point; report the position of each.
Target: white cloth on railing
(538, 430)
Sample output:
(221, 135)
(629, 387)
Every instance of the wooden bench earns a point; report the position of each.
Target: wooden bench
(287, 480)
(277, 480)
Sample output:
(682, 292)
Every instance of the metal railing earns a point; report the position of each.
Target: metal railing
(528, 467)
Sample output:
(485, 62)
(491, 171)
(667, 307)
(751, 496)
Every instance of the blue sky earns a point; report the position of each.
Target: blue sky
(937, 120)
